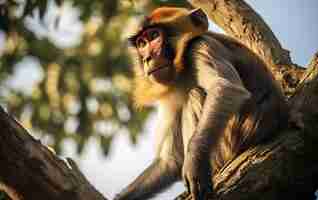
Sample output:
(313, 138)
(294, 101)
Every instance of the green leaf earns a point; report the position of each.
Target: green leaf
(4, 196)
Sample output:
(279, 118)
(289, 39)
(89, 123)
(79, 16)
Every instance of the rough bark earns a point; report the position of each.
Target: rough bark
(34, 171)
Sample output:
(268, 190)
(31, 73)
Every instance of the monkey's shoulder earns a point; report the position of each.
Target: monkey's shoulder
(211, 49)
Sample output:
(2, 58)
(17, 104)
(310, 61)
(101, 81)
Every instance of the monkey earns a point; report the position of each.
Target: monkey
(215, 99)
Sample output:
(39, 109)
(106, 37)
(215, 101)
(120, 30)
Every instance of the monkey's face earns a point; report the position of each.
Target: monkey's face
(157, 46)
(155, 54)
(161, 40)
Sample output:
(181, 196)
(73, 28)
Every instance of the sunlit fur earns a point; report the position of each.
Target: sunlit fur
(145, 92)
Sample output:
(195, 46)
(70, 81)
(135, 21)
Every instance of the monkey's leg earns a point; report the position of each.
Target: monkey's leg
(158, 176)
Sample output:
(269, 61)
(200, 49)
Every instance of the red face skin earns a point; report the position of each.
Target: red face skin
(150, 47)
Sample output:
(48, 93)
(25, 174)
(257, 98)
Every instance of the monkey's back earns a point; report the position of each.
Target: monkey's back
(256, 76)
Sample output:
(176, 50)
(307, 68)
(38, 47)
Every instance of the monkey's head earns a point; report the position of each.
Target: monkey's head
(160, 42)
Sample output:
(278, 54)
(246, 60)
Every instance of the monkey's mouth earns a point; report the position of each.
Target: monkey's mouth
(157, 69)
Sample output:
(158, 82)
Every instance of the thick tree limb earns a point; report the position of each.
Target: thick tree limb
(34, 171)
(240, 21)
(305, 100)
(278, 170)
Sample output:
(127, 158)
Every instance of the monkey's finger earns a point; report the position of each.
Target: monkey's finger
(194, 190)
(187, 184)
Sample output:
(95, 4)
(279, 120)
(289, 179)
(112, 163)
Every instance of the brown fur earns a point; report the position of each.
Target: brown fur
(146, 92)
(263, 113)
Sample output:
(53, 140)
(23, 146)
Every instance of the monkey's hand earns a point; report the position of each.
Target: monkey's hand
(119, 197)
(197, 175)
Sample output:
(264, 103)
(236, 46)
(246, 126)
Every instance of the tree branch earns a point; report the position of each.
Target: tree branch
(305, 100)
(34, 171)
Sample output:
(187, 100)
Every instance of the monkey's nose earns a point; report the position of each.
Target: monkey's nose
(147, 59)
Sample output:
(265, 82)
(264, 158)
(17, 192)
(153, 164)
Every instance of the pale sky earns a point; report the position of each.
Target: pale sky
(294, 22)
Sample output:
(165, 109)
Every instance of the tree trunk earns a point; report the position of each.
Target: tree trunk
(284, 168)
(34, 171)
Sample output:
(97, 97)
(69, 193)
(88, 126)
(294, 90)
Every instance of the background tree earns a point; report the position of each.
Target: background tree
(81, 82)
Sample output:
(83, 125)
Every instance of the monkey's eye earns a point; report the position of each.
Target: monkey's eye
(153, 34)
(141, 43)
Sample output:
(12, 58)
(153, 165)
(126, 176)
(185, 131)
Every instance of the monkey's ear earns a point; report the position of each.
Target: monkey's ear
(199, 18)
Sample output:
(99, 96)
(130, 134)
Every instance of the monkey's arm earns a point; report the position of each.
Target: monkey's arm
(225, 94)
(159, 175)
(224, 97)
(165, 169)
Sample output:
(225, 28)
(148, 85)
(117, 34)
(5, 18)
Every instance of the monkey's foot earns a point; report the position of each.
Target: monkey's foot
(184, 196)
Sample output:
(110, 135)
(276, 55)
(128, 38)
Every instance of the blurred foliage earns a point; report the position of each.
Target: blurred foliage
(4, 196)
(64, 68)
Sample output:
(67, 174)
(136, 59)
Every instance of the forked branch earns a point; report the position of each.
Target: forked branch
(34, 171)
